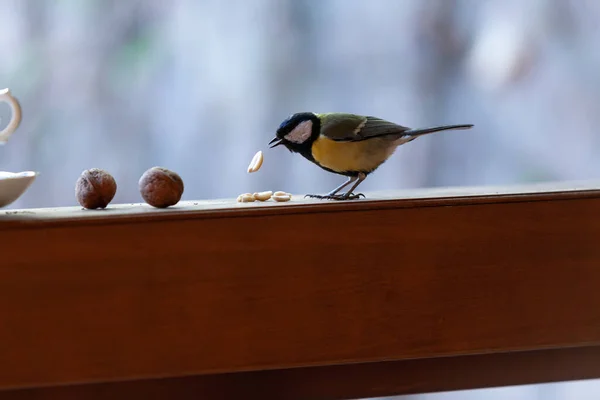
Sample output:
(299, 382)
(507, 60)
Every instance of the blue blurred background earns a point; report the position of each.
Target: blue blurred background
(198, 86)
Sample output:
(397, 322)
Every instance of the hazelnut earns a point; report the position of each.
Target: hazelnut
(160, 187)
(95, 188)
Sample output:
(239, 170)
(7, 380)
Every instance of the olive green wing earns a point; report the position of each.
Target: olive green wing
(343, 127)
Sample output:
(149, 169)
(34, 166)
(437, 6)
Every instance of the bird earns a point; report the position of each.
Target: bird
(346, 144)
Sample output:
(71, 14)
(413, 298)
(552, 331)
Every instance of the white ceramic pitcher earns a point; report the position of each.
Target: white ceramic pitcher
(12, 185)
(15, 120)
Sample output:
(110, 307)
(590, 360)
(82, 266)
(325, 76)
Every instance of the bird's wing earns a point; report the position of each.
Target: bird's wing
(344, 127)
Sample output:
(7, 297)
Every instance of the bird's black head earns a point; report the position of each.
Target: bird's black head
(298, 131)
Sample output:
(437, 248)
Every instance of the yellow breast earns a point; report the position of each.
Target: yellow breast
(351, 156)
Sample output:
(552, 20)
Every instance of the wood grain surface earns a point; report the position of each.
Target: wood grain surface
(157, 294)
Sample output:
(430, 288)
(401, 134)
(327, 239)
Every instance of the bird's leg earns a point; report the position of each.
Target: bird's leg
(344, 196)
(334, 191)
(349, 195)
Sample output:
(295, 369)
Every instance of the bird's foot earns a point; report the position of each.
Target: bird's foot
(352, 196)
(342, 196)
(320, 196)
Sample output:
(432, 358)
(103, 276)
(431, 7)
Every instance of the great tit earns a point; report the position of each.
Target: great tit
(346, 144)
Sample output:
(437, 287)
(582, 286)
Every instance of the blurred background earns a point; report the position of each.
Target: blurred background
(198, 86)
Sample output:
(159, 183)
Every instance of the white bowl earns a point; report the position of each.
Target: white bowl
(13, 185)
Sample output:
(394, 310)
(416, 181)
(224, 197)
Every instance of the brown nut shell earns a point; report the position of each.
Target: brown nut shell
(95, 188)
(161, 187)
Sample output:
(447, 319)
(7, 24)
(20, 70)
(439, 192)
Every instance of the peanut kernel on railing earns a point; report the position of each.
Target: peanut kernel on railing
(263, 196)
(245, 198)
(278, 196)
(281, 196)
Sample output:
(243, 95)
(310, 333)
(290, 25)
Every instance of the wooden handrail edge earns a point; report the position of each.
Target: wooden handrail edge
(229, 208)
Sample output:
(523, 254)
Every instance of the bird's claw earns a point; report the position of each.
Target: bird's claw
(343, 196)
(358, 195)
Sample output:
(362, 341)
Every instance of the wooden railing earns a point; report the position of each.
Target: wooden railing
(401, 293)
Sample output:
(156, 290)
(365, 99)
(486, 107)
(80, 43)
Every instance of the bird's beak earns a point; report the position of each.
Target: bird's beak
(275, 142)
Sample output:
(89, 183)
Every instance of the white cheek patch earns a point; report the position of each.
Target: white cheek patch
(301, 133)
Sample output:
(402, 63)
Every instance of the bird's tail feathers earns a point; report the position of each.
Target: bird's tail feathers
(425, 131)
